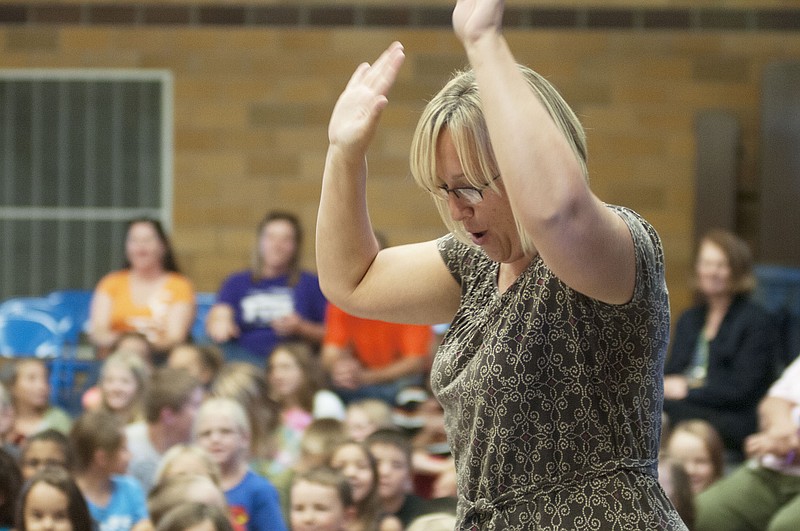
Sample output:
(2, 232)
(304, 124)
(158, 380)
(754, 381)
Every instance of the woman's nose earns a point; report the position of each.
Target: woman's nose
(459, 209)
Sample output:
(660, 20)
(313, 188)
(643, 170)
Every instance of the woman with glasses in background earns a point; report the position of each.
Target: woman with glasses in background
(549, 375)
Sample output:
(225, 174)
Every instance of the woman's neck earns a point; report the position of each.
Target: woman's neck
(149, 273)
(719, 304)
(273, 271)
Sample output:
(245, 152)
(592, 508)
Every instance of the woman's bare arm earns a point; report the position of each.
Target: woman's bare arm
(409, 283)
(583, 242)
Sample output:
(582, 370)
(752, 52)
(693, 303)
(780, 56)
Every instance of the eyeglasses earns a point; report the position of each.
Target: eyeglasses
(471, 195)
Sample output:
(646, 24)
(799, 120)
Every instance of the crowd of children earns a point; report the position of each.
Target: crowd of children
(175, 444)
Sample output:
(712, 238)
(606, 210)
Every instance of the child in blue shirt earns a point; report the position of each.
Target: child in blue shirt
(222, 429)
(100, 457)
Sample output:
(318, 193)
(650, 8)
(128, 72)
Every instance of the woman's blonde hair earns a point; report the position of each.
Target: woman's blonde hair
(457, 108)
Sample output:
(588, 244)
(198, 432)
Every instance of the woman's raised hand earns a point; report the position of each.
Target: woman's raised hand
(357, 112)
(474, 18)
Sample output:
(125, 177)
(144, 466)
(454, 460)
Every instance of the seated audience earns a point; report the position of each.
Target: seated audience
(356, 464)
(321, 501)
(365, 416)
(148, 295)
(100, 455)
(10, 486)
(27, 380)
(697, 446)
(223, 430)
(764, 493)
(722, 352)
(50, 499)
(170, 405)
(48, 448)
(295, 378)
(202, 361)
(373, 359)
(195, 516)
(274, 301)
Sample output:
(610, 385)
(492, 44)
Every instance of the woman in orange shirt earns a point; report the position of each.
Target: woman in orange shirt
(148, 296)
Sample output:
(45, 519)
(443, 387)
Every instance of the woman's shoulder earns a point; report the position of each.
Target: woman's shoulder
(179, 279)
(460, 257)
(114, 279)
(746, 308)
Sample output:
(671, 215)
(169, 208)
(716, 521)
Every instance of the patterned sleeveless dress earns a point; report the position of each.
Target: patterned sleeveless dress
(552, 399)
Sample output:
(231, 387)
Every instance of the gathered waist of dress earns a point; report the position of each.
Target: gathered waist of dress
(484, 507)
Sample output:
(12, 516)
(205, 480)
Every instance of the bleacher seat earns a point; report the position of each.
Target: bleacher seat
(26, 331)
(778, 290)
(51, 327)
(73, 305)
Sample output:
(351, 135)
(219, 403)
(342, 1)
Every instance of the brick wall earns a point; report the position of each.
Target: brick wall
(255, 82)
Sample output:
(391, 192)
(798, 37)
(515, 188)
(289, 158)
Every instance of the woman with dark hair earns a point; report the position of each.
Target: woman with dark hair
(149, 295)
(274, 301)
(721, 359)
(51, 496)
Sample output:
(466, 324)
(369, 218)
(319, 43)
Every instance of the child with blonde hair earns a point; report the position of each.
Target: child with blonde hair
(365, 416)
(195, 516)
(187, 459)
(175, 490)
(321, 500)
(223, 430)
(247, 385)
(123, 382)
(27, 381)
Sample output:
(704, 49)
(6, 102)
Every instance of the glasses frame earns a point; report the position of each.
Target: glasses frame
(472, 195)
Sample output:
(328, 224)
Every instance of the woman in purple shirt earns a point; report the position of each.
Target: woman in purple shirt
(274, 301)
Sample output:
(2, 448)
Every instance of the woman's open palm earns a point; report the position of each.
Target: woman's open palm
(357, 112)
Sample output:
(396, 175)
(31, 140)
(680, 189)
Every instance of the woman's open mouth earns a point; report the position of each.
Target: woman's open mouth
(477, 237)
